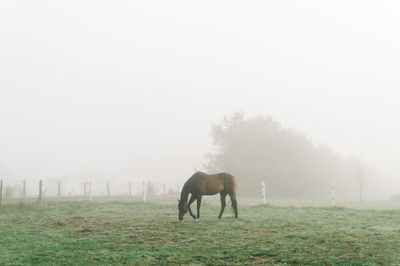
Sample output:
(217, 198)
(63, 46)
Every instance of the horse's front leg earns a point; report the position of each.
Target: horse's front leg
(198, 206)
(192, 198)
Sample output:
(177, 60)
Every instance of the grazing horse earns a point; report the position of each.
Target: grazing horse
(202, 184)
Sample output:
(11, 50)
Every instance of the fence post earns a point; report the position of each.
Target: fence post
(59, 189)
(1, 191)
(40, 189)
(130, 188)
(264, 200)
(144, 192)
(108, 188)
(90, 192)
(333, 203)
(24, 188)
(165, 188)
(84, 189)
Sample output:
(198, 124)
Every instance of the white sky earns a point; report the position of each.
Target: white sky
(132, 87)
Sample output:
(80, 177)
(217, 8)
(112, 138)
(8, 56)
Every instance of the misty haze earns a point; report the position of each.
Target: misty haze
(110, 109)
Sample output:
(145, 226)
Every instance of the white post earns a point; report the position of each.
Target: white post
(40, 189)
(333, 194)
(263, 192)
(144, 192)
(90, 192)
(1, 191)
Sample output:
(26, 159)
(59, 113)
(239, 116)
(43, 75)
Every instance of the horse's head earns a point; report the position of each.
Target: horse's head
(183, 208)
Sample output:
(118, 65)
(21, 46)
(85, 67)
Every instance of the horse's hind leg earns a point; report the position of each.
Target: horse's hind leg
(223, 203)
(192, 198)
(234, 203)
(198, 206)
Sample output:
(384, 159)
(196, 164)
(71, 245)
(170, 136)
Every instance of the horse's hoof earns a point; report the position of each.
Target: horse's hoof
(196, 220)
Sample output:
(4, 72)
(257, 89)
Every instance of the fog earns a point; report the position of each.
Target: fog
(132, 88)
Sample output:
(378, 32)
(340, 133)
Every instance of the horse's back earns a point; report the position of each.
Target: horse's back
(213, 184)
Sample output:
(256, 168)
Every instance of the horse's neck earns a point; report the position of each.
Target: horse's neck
(185, 194)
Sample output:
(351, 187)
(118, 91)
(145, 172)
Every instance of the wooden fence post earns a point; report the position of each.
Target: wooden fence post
(165, 188)
(130, 188)
(90, 192)
(1, 191)
(40, 189)
(24, 188)
(144, 192)
(84, 189)
(59, 189)
(108, 188)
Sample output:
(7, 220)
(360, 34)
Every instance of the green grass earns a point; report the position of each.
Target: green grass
(131, 232)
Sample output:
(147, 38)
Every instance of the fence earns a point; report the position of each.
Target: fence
(39, 189)
(264, 195)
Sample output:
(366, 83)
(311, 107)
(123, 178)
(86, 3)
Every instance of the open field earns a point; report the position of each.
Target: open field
(131, 232)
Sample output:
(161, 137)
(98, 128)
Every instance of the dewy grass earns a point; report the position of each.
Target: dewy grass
(132, 232)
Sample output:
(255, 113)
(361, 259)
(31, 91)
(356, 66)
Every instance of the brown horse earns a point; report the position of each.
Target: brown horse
(202, 184)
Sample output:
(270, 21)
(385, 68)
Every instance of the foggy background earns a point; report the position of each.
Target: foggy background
(132, 88)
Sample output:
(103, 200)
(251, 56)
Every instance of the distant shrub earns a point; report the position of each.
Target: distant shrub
(395, 197)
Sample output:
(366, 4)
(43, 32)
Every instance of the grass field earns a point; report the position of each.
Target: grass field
(132, 232)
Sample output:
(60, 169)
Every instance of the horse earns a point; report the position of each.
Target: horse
(201, 184)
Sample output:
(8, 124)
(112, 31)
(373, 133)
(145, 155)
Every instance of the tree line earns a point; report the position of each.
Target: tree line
(260, 149)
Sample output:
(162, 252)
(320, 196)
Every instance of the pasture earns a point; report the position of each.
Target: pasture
(127, 231)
